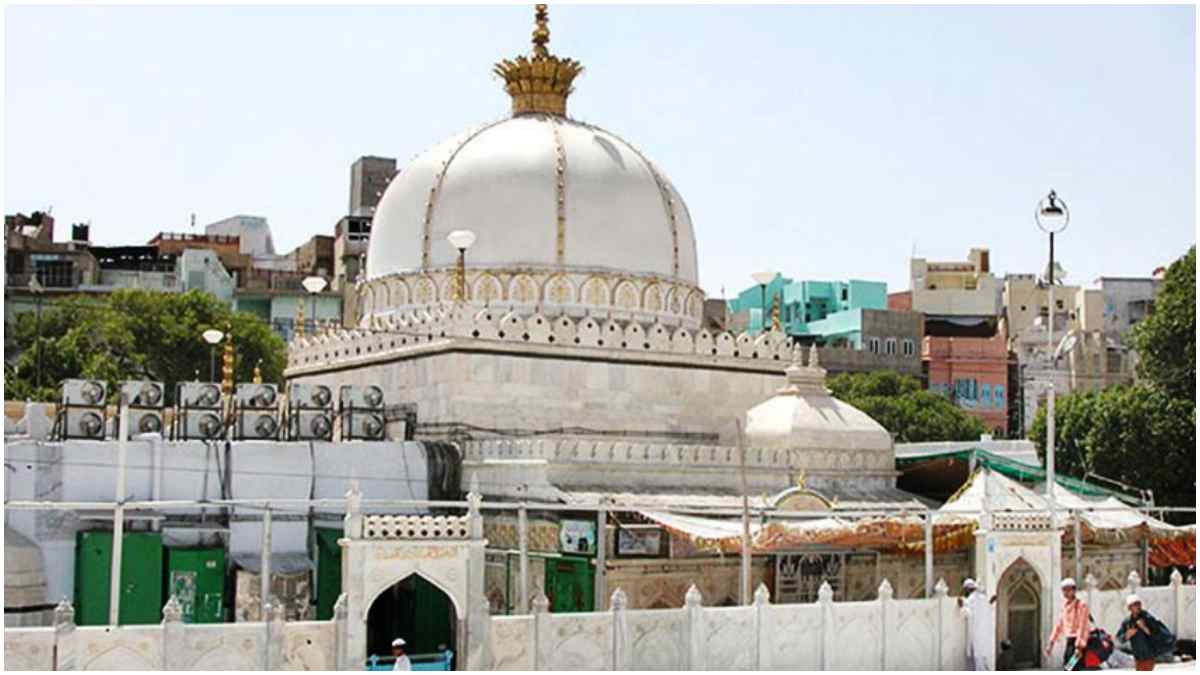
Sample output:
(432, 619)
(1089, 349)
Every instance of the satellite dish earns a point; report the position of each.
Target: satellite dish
(1066, 344)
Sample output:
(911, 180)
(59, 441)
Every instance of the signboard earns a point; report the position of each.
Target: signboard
(577, 536)
(643, 542)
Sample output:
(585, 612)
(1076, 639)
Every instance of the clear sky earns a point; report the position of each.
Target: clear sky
(824, 142)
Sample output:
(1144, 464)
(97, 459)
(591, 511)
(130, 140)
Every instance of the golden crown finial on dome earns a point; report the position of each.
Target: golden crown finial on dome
(539, 83)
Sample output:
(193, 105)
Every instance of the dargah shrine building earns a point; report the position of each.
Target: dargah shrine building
(567, 362)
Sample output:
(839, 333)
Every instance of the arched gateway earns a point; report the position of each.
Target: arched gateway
(389, 562)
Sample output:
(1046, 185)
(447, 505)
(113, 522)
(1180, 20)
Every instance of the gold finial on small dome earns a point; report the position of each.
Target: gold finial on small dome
(539, 83)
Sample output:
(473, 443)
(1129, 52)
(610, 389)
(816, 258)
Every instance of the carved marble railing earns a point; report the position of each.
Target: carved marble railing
(419, 329)
(274, 644)
(357, 525)
(669, 454)
(1021, 522)
(416, 527)
(880, 634)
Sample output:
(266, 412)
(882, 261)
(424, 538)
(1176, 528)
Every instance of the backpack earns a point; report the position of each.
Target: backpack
(1099, 648)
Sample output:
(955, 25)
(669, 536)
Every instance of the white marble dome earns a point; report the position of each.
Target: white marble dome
(503, 182)
(804, 417)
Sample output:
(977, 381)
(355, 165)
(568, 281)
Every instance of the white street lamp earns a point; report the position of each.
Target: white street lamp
(461, 240)
(314, 285)
(1052, 217)
(762, 279)
(212, 336)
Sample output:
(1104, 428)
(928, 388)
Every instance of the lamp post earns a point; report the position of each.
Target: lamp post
(1052, 217)
(762, 279)
(314, 285)
(35, 287)
(213, 337)
(461, 240)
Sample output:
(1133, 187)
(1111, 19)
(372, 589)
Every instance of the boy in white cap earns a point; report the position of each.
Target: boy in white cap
(402, 662)
(1146, 636)
(1073, 624)
(981, 626)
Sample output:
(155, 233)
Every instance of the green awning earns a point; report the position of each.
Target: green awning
(1020, 471)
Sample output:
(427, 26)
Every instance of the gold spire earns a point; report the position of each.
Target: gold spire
(539, 83)
(227, 362)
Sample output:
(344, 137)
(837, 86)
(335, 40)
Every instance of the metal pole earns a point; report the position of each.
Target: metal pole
(212, 363)
(1050, 479)
(601, 553)
(265, 576)
(762, 307)
(929, 554)
(39, 340)
(744, 596)
(1078, 549)
(114, 590)
(523, 544)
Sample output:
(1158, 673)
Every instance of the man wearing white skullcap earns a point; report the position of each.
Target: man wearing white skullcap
(1073, 623)
(402, 662)
(981, 626)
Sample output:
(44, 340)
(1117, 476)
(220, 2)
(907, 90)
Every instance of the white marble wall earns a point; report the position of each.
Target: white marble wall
(886, 633)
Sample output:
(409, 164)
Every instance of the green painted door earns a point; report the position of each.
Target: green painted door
(141, 578)
(329, 570)
(196, 577)
(415, 610)
(570, 584)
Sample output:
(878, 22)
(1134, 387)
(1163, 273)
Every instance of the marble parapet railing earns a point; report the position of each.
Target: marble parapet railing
(880, 634)
(415, 330)
(580, 451)
(416, 527)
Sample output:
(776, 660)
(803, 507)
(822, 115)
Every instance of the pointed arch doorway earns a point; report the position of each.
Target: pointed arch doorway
(1020, 613)
(416, 610)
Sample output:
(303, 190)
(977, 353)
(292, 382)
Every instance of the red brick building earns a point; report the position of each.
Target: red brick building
(972, 372)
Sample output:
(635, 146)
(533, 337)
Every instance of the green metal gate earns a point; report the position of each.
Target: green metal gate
(329, 570)
(196, 577)
(570, 584)
(141, 577)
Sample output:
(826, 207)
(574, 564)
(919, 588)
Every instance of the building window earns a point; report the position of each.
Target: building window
(1058, 304)
(998, 395)
(908, 348)
(845, 294)
(873, 345)
(889, 346)
(985, 398)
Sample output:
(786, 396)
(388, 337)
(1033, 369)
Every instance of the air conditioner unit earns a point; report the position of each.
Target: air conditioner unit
(202, 425)
(205, 395)
(369, 397)
(90, 393)
(363, 425)
(84, 423)
(257, 425)
(311, 425)
(143, 393)
(257, 396)
(310, 397)
(143, 421)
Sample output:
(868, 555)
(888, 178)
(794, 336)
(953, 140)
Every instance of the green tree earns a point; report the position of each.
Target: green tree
(134, 334)
(902, 407)
(1136, 434)
(1166, 340)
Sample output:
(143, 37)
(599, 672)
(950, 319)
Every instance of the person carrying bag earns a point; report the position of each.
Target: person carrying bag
(1144, 635)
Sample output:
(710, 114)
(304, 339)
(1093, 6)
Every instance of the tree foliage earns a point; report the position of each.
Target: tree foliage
(902, 407)
(1135, 434)
(134, 334)
(1166, 340)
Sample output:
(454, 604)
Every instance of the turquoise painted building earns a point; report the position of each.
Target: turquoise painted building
(831, 311)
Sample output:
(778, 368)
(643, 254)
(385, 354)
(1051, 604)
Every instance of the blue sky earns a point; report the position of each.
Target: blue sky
(824, 142)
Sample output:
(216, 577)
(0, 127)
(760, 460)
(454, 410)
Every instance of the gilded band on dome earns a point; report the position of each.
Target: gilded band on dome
(541, 82)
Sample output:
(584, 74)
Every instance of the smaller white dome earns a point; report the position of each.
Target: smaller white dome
(804, 416)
